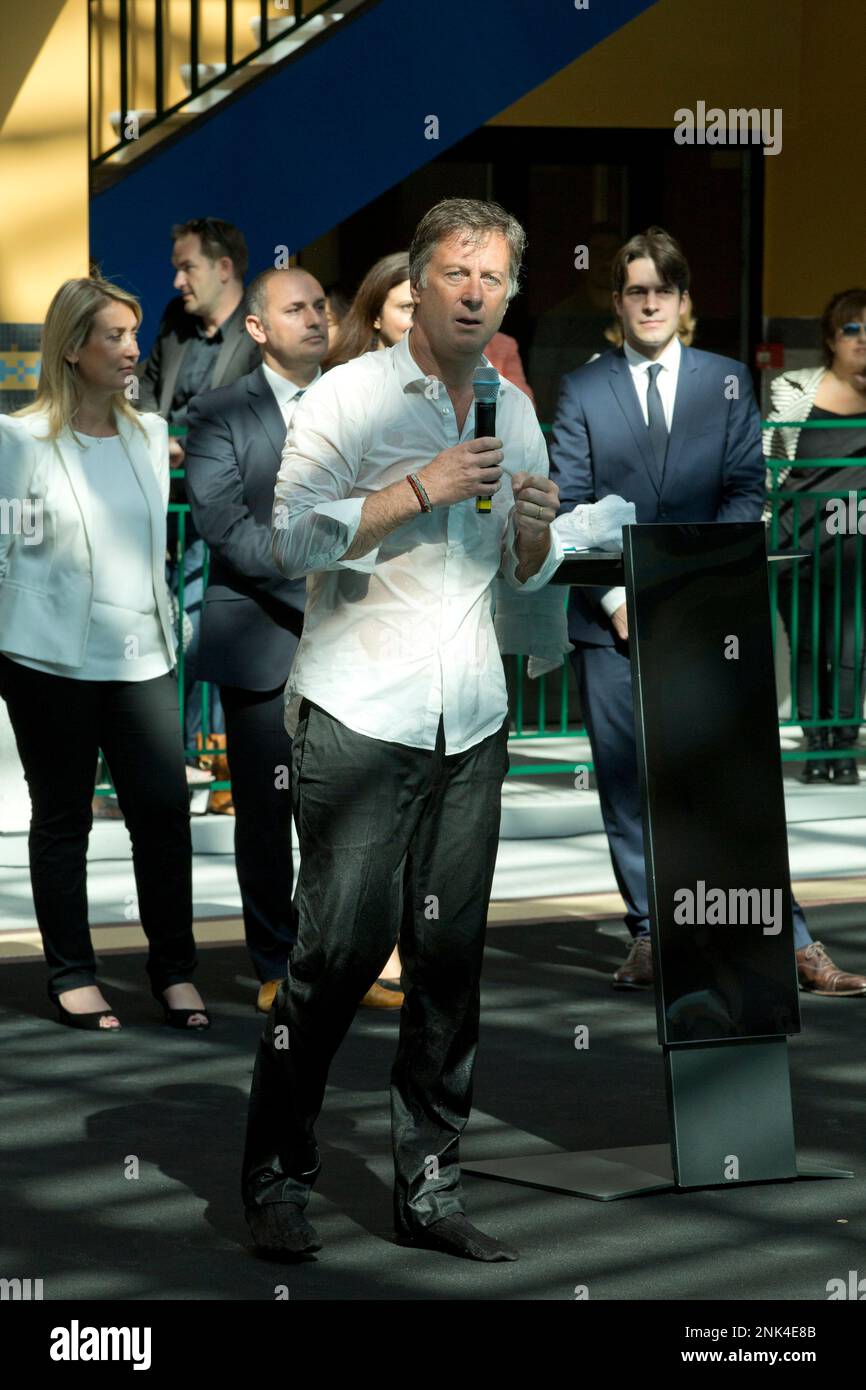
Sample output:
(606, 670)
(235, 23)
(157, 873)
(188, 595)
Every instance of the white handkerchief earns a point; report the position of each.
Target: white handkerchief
(596, 525)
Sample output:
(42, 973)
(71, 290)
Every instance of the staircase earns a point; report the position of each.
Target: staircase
(155, 68)
(287, 125)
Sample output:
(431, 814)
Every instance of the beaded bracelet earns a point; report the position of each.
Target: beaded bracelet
(418, 488)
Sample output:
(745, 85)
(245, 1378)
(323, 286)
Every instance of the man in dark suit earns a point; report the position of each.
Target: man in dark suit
(253, 615)
(678, 433)
(202, 343)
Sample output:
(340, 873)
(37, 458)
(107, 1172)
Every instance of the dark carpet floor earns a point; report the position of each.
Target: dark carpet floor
(120, 1155)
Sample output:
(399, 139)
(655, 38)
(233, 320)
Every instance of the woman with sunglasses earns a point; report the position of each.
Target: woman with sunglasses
(836, 391)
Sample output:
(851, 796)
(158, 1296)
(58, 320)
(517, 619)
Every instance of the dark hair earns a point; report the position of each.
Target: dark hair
(475, 217)
(658, 246)
(218, 238)
(837, 312)
(356, 333)
(339, 299)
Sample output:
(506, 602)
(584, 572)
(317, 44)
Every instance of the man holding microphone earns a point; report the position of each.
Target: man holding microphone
(398, 710)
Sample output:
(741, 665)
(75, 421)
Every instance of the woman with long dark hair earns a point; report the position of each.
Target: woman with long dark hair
(380, 314)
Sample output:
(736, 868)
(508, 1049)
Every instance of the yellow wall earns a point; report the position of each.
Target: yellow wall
(43, 157)
(766, 53)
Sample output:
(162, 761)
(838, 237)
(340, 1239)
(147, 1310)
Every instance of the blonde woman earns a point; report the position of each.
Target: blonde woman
(87, 648)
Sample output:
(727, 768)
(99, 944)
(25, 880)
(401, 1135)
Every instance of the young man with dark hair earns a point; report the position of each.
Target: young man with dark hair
(678, 433)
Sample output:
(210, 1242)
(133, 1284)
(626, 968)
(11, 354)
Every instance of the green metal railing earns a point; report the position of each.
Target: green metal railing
(546, 708)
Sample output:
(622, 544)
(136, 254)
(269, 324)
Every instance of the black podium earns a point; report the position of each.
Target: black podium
(716, 848)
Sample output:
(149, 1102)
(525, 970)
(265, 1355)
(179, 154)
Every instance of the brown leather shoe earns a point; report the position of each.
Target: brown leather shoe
(378, 997)
(819, 975)
(637, 970)
(267, 994)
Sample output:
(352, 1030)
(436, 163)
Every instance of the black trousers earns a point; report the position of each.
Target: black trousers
(393, 840)
(59, 726)
(823, 656)
(259, 752)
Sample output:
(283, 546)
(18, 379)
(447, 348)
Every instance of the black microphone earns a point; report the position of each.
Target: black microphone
(485, 389)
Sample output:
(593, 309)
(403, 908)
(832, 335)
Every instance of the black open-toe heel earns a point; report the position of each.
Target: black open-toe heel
(89, 1023)
(179, 1018)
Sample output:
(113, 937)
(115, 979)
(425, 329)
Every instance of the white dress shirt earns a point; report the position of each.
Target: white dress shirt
(404, 633)
(666, 380)
(286, 392)
(124, 638)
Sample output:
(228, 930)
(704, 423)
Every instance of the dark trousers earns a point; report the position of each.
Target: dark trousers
(817, 663)
(393, 840)
(59, 726)
(260, 765)
(604, 679)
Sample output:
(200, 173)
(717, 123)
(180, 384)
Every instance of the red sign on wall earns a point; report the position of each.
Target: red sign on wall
(769, 355)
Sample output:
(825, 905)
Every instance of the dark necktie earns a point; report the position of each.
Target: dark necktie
(658, 430)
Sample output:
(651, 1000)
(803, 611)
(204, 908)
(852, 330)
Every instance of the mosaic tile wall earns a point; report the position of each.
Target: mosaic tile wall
(19, 364)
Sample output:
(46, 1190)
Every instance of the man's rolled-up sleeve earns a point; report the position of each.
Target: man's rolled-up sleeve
(510, 559)
(315, 517)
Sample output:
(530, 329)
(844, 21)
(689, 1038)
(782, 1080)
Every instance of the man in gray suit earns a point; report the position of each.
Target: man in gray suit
(253, 615)
(202, 343)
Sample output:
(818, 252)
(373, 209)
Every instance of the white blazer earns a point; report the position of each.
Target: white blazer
(46, 589)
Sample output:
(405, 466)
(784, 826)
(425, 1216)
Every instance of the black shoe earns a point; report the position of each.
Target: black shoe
(89, 1023)
(179, 1018)
(282, 1227)
(845, 771)
(455, 1235)
(815, 770)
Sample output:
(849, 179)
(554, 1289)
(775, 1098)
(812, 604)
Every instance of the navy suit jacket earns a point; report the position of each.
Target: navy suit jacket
(714, 469)
(253, 615)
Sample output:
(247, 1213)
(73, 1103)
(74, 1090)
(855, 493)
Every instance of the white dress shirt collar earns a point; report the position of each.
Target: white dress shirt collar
(409, 374)
(669, 359)
(283, 389)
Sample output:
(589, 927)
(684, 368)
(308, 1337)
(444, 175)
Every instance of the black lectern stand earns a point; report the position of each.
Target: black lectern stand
(716, 848)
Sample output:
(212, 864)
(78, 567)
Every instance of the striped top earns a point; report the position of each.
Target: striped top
(792, 395)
